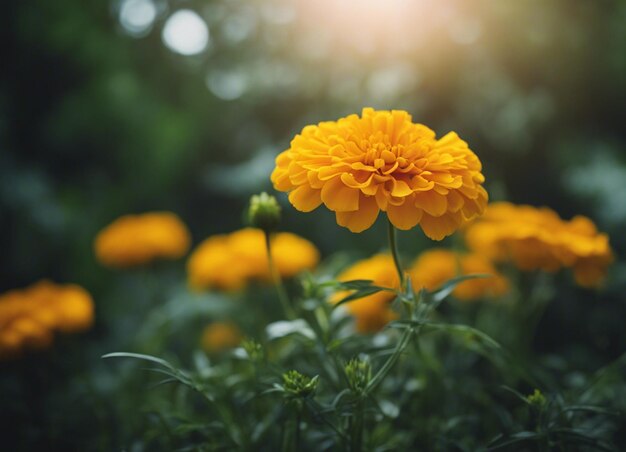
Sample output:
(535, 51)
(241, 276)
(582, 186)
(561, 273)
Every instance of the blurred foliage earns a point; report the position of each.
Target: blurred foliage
(98, 120)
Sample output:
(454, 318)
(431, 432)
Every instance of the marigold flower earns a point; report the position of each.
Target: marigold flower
(230, 261)
(538, 239)
(358, 166)
(220, 336)
(138, 239)
(436, 266)
(29, 317)
(372, 312)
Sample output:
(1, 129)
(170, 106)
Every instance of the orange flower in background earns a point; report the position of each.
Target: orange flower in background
(220, 336)
(538, 239)
(231, 261)
(139, 239)
(381, 160)
(372, 312)
(436, 266)
(29, 317)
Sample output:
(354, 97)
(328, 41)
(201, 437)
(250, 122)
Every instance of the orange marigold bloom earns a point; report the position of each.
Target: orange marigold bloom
(372, 312)
(30, 316)
(436, 266)
(381, 160)
(138, 239)
(230, 261)
(220, 336)
(538, 239)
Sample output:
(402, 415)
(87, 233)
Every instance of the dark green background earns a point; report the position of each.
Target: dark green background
(95, 123)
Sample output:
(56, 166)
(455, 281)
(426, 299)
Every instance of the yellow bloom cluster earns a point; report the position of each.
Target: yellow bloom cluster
(230, 261)
(373, 312)
(538, 239)
(220, 336)
(436, 266)
(29, 317)
(381, 160)
(138, 239)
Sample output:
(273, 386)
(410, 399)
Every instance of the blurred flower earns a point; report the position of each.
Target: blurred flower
(230, 261)
(538, 239)
(372, 312)
(29, 317)
(436, 266)
(358, 166)
(220, 336)
(138, 239)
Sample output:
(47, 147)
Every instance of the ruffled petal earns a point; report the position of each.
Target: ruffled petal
(405, 216)
(305, 198)
(437, 228)
(339, 197)
(362, 219)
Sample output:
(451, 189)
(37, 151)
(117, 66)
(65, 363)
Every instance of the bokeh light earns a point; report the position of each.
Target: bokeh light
(137, 16)
(186, 33)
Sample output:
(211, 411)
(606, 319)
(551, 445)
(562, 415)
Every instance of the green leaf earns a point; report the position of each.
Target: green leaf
(469, 334)
(594, 409)
(354, 284)
(151, 358)
(361, 293)
(514, 439)
(448, 287)
(516, 393)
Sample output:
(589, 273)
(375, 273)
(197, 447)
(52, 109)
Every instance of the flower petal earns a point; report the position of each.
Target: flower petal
(433, 203)
(405, 216)
(437, 228)
(305, 198)
(338, 197)
(362, 219)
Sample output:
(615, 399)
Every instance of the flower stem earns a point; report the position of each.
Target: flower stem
(356, 440)
(393, 246)
(277, 280)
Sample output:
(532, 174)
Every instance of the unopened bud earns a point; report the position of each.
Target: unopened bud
(298, 384)
(359, 372)
(264, 212)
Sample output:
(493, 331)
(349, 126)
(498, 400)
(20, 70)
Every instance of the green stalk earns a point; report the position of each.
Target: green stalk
(382, 373)
(296, 436)
(393, 245)
(277, 280)
(356, 441)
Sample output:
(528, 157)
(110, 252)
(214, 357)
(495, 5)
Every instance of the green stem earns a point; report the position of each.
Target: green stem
(356, 442)
(382, 373)
(298, 422)
(277, 280)
(393, 245)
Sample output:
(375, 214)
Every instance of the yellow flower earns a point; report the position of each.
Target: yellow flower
(138, 239)
(538, 239)
(373, 312)
(358, 166)
(29, 317)
(436, 266)
(230, 261)
(220, 336)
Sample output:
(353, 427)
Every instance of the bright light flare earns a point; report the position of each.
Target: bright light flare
(366, 25)
(185, 32)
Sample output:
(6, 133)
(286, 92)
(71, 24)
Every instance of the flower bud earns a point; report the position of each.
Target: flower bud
(264, 212)
(253, 348)
(299, 385)
(359, 372)
(536, 399)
